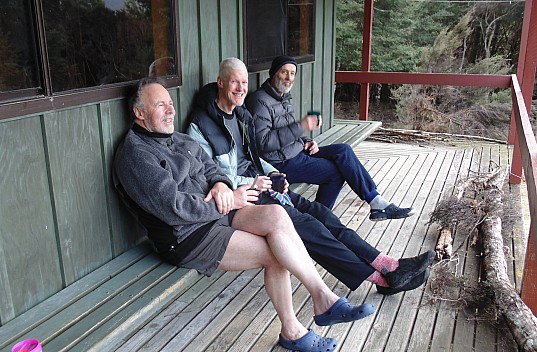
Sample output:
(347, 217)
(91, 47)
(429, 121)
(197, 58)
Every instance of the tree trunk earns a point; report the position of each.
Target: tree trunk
(519, 317)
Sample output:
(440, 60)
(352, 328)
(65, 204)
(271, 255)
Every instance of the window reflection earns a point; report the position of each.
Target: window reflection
(276, 27)
(18, 62)
(95, 42)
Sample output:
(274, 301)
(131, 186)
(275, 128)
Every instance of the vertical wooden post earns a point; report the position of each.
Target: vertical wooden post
(527, 62)
(529, 281)
(366, 57)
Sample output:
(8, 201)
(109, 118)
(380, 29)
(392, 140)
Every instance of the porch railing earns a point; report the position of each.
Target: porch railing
(524, 154)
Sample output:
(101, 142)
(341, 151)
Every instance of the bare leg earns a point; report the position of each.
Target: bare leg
(273, 223)
(248, 251)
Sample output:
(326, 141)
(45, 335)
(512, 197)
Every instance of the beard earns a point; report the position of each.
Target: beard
(281, 87)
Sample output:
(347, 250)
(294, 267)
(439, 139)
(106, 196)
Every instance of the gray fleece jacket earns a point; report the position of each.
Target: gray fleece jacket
(168, 176)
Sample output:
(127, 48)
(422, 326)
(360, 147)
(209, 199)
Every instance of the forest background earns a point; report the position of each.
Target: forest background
(437, 36)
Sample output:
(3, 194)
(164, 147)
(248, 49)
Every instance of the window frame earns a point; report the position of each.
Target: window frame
(266, 65)
(41, 99)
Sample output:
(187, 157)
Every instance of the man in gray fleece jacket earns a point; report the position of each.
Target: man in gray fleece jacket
(197, 221)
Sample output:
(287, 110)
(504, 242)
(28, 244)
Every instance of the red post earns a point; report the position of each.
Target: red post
(529, 280)
(527, 62)
(366, 57)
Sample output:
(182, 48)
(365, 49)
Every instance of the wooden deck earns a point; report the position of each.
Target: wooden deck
(230, 311)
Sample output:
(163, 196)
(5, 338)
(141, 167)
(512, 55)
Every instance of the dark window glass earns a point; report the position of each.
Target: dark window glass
(277, 27)
(48, 47)
(18, 59)
(91, 43)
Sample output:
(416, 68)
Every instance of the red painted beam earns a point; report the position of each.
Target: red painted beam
(435, 79)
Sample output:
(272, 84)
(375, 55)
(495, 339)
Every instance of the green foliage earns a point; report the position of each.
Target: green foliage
(349, 24)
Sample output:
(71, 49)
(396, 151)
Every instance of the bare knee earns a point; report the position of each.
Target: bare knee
(277, 215)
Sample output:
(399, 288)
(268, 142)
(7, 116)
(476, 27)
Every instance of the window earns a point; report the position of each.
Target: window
(278, 27)
(60, 47)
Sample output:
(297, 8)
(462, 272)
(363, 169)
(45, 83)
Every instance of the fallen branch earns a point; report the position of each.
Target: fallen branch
(520, 319)
(409, 134)
(444, 245)
(475, 208)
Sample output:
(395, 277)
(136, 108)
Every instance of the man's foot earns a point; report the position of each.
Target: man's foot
(413, 284)
(392, 211)
(408, 269)
(311, 342)
(343, 312)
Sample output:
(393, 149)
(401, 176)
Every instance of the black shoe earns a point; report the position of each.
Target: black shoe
(413, 284)
(408, 269)
(392, 211)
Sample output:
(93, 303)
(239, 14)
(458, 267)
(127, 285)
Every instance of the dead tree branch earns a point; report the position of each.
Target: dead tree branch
(476, 207)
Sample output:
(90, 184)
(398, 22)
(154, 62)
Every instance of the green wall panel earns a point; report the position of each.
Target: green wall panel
(190, 58)
(29, 265)
(210, 38)
(75, 155)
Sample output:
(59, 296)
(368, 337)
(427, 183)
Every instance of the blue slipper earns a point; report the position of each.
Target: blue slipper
(343, 312)
(311, 342)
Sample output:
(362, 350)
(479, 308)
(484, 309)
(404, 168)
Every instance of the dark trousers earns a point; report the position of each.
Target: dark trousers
(338, 249)
(329, 168)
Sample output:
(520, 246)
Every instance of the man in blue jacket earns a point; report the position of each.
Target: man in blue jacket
(281, 141)
(223, 127)
(197, 221)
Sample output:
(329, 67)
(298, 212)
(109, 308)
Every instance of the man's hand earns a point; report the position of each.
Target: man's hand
(223, 197)
(311, 147)
(311, 122)
(244, 196)
(262, 184)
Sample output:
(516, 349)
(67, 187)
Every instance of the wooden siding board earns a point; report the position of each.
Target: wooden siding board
(306, 78)
(190, 58)
(126, 231)
(77, 179)
(230, 28)
(210, 38)
(27, 228)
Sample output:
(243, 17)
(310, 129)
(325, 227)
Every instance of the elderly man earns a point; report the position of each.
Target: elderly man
(223, 127)
(280, 141)
(196, 221)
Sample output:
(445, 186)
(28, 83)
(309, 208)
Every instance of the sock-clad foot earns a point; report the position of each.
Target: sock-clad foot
(412, 284)
(392, 211)
(408, 269)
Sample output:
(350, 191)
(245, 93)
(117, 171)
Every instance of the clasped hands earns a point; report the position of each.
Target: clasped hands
(227, 199)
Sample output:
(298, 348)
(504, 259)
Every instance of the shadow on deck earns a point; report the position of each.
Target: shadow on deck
(231, 311)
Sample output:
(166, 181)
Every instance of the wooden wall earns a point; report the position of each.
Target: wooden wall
(60, 218)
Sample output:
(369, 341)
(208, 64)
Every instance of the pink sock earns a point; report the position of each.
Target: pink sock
(384, 261)
(378, 279)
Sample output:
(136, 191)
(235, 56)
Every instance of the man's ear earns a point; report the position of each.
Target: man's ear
(219, 82)
(138, 113)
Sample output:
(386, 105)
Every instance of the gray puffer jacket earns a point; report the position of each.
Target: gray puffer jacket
(278, 135)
